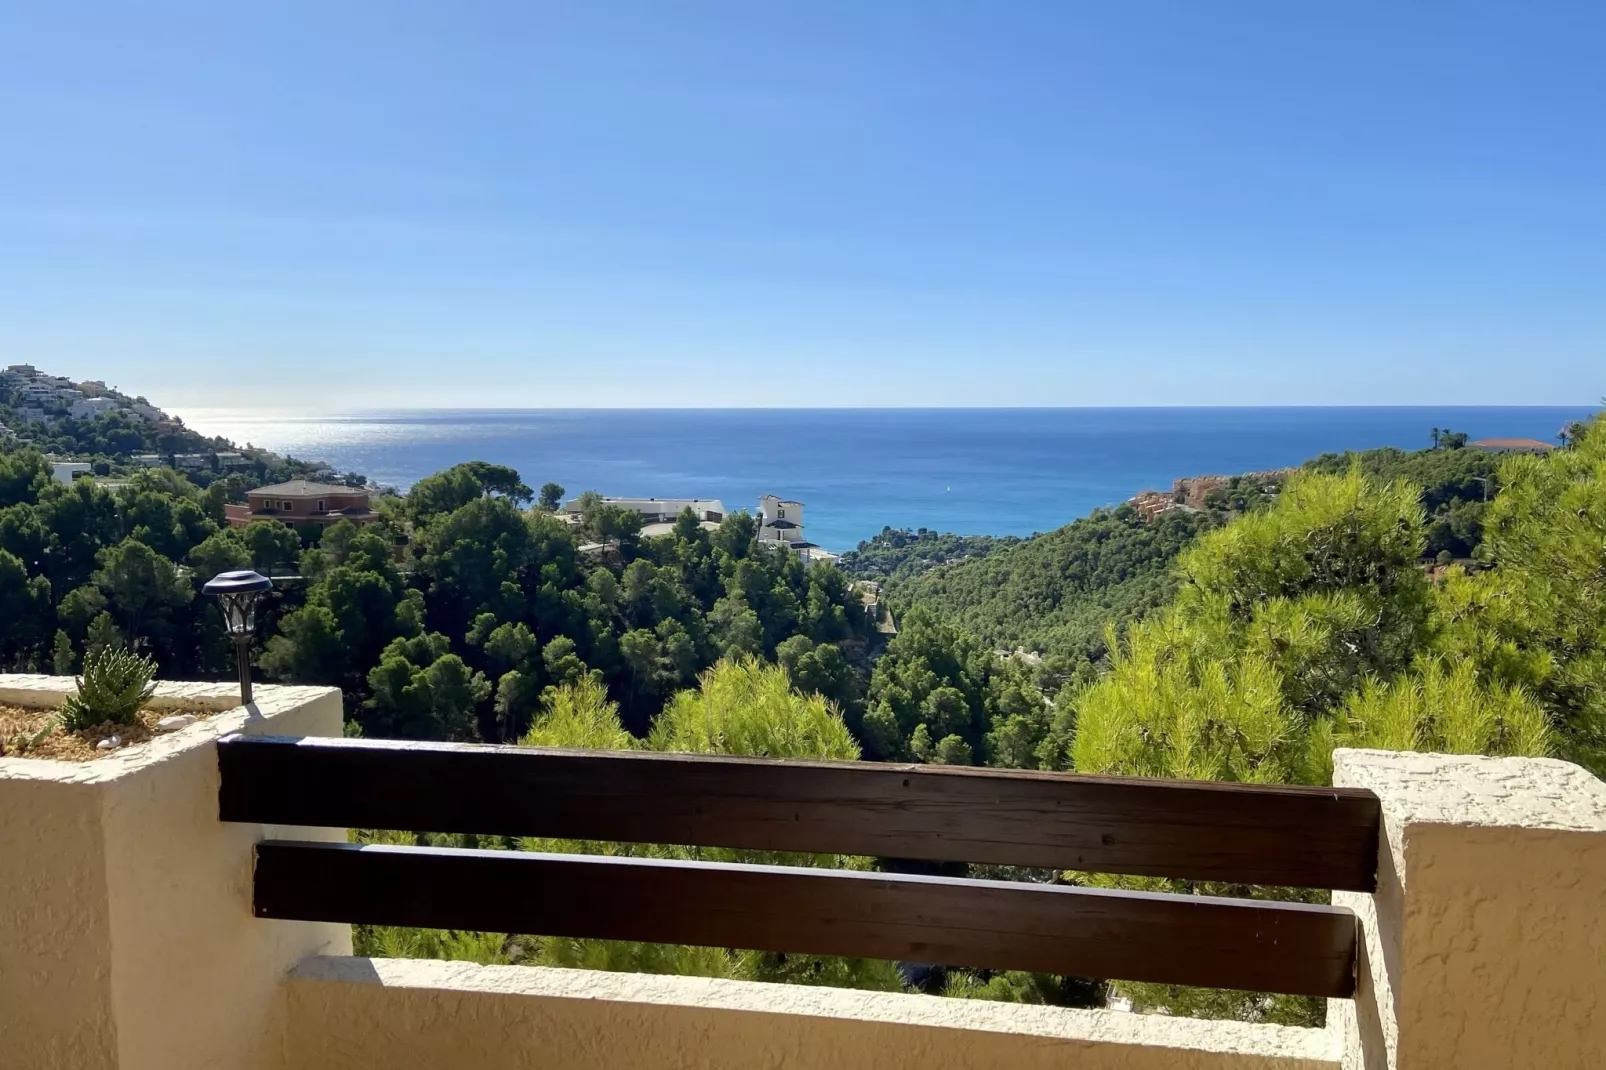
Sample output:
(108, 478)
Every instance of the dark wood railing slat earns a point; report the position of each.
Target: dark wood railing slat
(1248, 834)
(1222, 943)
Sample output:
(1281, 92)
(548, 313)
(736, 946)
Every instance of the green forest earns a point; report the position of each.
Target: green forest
(1057, 594)
(444, 620)
(1441, 599)
(897, 554)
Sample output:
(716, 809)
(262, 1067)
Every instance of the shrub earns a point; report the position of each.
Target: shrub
(114, 686)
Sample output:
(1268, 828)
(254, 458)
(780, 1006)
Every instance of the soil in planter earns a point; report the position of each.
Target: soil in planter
(19, 724)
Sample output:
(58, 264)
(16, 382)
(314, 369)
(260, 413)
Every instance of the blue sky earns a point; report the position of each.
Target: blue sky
(354, 204)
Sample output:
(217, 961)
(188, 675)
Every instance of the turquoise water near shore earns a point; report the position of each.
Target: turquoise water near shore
(974, 471)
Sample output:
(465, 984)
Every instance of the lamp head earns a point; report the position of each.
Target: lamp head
(237, 594)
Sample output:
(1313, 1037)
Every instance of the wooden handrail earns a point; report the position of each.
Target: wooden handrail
(1217, 942)
(1237, 833)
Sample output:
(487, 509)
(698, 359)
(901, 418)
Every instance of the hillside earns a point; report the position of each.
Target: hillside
(120, 435)
(898, 554)
(1056, 592)
(1457, 485)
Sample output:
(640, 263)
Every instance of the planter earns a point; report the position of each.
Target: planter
(125, 905)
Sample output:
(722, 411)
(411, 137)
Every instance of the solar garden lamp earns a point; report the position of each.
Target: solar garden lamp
(237, 594)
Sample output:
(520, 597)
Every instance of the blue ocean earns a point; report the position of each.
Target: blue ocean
(973, 471)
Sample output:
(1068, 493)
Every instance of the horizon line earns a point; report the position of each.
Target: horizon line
(276, 412)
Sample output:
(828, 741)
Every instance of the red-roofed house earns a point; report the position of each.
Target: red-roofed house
(1510, 445)
(302, 502)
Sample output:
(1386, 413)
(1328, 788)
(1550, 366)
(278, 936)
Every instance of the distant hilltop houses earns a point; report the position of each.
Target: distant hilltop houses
(1192, 493)
(39, 396)
(780, 521)
(90, 430)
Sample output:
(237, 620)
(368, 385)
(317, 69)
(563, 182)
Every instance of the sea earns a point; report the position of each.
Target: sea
(971, 471)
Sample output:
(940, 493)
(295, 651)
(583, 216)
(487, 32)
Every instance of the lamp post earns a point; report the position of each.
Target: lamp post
(237, 594)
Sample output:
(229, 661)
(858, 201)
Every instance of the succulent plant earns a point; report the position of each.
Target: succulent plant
(113, 688)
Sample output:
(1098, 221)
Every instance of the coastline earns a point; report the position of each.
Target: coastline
(968, 471)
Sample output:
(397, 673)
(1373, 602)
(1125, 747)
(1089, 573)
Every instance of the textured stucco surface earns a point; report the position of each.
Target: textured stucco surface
(132, 902)
(376, 1013)
(1486, 943)
(55, 981)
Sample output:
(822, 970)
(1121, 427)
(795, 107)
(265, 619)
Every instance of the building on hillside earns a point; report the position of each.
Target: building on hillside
(1152, 503)
(233, 460)
(659, 528)
(67, 471)
(302, 502)
(660, 510)
(192, 462)
(1510, 445)
(816, 555)
(148, 460)
(91, 408)
(780, 521)
(1194, 490)
(31, 414)
(43, 394)
(147, 412)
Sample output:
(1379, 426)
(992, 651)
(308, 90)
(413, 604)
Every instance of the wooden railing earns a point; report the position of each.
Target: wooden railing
(1236, 833)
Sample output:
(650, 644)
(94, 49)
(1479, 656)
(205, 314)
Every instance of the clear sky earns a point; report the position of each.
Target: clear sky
(349, 204)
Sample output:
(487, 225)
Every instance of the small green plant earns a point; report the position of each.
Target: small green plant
(115, 684)
(23, 742)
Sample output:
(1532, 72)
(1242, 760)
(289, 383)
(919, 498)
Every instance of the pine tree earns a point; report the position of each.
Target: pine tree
(63, 660)
(1296, 629)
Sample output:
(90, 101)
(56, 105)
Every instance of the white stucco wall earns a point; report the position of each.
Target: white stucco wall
(363, 1014)
(125, 905)
(1485, 946)
(55, 990)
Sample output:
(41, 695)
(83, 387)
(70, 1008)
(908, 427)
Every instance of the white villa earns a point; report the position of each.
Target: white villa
(661, 510)
(780, 521)
(90, 408)
(67, 471)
